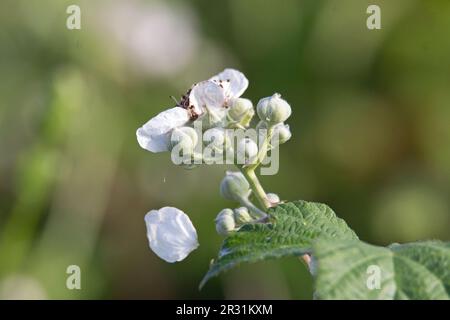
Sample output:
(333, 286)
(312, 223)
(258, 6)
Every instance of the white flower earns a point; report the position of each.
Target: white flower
(154, 136)
(170, 233)
(233, 82)
(215, 95)
(211, 97)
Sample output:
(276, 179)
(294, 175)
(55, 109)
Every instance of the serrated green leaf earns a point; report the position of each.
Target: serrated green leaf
(291, 231)
(346, 270)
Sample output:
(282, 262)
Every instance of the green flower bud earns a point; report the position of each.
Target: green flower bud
(225, 222)
(281, 134)
(234, 186)
(241, 112)
(241, 215)
(217, 140)
(273, 198)
(273, 109)
(284, 133)
(247, 150)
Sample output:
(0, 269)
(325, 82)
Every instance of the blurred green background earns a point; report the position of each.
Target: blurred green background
(370, 123)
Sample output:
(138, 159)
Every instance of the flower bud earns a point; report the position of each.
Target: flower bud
(225, 222)
(184, 138)
(273, 198)
(273, 109)
(234, 186)
(216, 140)
(241, 112)
(241, 215)
(282, 132)
(247, 150)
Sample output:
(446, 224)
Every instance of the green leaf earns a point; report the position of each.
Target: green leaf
(349, 269)
(291, 230)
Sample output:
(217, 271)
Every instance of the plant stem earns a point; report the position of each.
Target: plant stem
(262, 153)
(256, 187)
(258, 191)
(254, 210)
(249, 173)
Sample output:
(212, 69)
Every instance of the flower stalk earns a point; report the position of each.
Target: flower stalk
(256, 187)
(254, 210)
(250, 175)
(262, 150)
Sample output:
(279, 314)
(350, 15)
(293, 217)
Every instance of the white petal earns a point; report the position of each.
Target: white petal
(170, 233)
(234, 82)
(208, 94)
(154, 136)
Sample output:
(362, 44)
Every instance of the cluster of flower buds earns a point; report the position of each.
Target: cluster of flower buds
(229, 220)
(197, 131)
(235, 187)
(273, 112)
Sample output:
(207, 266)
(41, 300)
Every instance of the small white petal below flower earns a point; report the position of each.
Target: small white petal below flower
(154, 136)
(170, 233)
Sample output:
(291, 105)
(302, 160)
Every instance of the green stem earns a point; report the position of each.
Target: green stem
(263, 150)
(256, 187)
(254, 210)
(249, 173)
